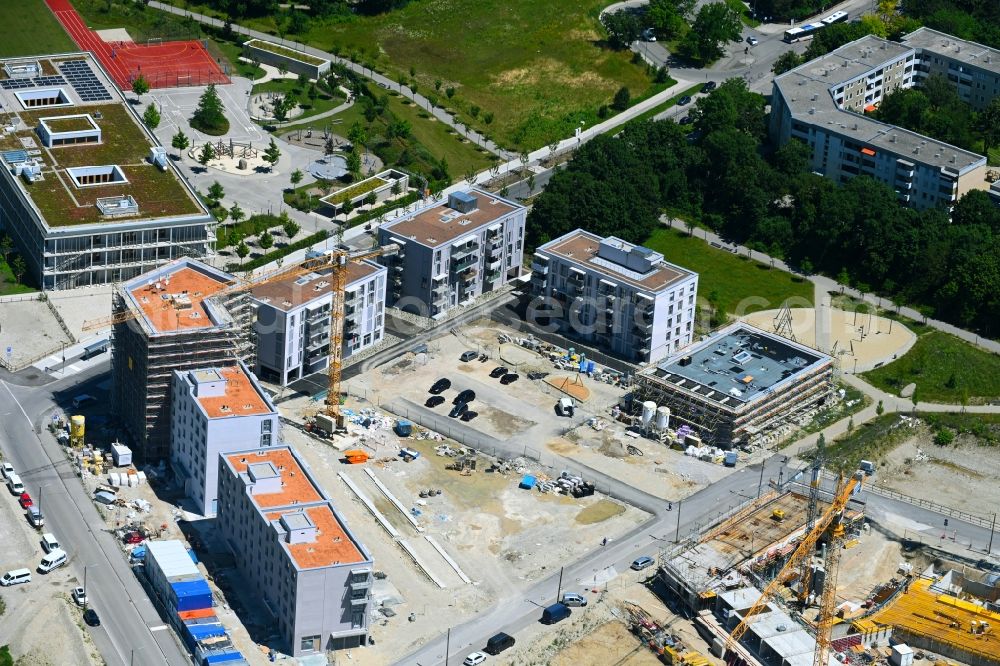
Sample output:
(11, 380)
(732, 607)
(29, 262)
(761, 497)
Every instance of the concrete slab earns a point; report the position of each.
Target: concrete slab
(29, 331)
(114, 35)
(77, 306)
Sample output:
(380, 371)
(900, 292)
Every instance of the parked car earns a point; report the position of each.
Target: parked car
(509, 378)
(468, 356)
(468, 395)
(573, 599)
(498, 643)
(709, 86)
(753, 41)
(684, 100)
(25, 500)
(498, 371)
(640, 563)
(7, 470)
(458, 410)
(686, 120)
(555, 613)
(91, 617)
(474, 659)
(440, 386)
(133, 538)
(469, 415)
(537, 375)
(79, 596)
(434, 401)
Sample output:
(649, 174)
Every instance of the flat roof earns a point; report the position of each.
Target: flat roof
(172, 558)
(297, 290)
(738, 364)
(954, 48)
(242, 397)
(87, 89)
(580, 247)
(172, 297)
(301, 502)
(437, 224)
(808, 92)
(296, 486)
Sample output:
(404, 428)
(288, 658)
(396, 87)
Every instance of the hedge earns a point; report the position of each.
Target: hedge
(264, 259)
(373, 214)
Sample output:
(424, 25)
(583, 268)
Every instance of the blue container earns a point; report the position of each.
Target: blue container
(194, 558)
(583, 366)
(191, 595)
(527, 482)
(591, 367)
(202, 631)
(224, 657)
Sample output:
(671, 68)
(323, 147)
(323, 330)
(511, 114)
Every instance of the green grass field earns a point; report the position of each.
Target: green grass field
(539, 67)
(310, 108)
(29, 28)
(944, 368)
(742, 285)
(9, 285)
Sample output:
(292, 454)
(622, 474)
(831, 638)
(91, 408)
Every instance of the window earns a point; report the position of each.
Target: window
(309, 644)
(265, 426)
(265, 440)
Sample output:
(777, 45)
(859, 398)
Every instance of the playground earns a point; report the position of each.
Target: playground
(163, 64)
(235, 157)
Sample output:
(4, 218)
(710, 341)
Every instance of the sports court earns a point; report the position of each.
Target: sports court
(165, 65)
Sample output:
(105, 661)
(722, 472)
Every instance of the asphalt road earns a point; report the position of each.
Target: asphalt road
(131, 630)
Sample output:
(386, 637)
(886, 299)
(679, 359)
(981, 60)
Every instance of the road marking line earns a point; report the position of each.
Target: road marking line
(26, 418)
(161, 627)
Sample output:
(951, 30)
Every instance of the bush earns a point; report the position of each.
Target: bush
(277, 254)
(944, 437)
(252, 226)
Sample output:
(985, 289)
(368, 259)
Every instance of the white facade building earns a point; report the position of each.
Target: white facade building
(293, 320)
(623, 298)
(215, 411)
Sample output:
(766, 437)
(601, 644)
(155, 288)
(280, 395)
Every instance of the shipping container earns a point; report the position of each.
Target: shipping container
(195, 614)
(199, 631)
(225, 658)
(190, 595)
(166, 562)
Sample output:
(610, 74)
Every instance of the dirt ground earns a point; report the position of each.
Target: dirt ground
(597, 636)
(500, 536)
(30, 331)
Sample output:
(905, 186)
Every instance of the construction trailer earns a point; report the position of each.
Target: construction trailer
(168, 320)
(739, 385)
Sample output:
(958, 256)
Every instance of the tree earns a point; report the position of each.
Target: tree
(216, 192)
(714, 26)
(787, 61)
(488, 117)
(295, 177)
(474, 111)
(370, 199)
(623, 28)
(18, 268)
(879, 409)
(272, 154)
(346, 208)
(6, 245)
(180, 142)
(210, 117)
(328, 147)
(437, 84)
(357, 135)
(449, 92)
(151, 116)
(140, 86)
(242, 251)
(622, 99)
(988, 125)
(280, 108)
(290, 227)
(668, 17)
(236, 213)
(265, 240)
(354, 164)
(206, 155)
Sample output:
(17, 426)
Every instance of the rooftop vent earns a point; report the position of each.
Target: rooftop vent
(893, 138)
(812, 110)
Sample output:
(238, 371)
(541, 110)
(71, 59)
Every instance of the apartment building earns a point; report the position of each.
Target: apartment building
(215, 411)
(176, 317)
(822, 103)
(86, 191)
(623, 298)
(294, 549)
(293, 320)
(452, 251)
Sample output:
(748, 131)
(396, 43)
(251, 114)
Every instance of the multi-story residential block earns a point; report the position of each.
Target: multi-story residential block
(215, 411)
(86, 192)
(451, 252)
(822, 103)
(173, 318)
(623, 298)
(294, 549)
(293, 320)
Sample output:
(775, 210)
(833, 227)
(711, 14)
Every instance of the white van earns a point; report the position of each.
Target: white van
(16, 576)
(49, 542)
(52, 561)
(14, 484)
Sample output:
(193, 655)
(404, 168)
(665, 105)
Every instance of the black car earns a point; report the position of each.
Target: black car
(708, 87)
(537, 375)
(498, 371)
(468, 395)
(509, 379)
(434, 401)
(684, 100)
(440, 386)
(469, 415)
(458, 410)
(686, 120)
(91, 618)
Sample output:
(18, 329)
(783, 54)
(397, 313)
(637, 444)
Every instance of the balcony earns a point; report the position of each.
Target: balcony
(493, 275)
(539, 269)
(468, 275)
(463, 263)
(464, 250)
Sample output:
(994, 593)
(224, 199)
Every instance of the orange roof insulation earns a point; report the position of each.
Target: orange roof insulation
(295, 485)
(241, 397)
(332, 545)
(176, 302)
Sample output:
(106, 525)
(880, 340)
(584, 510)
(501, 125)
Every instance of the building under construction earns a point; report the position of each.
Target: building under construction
(738, 385)
(172, 318)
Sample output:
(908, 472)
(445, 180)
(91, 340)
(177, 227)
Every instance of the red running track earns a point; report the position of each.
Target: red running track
(164, 65)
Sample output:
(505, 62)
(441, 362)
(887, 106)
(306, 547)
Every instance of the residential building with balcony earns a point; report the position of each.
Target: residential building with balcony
(452, 252)
(624, 299)
(823, 104)
(215, 411)
(294, 549)
(176, 317)
(293, 320)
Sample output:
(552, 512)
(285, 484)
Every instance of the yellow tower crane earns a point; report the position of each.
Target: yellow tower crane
(799, 559)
